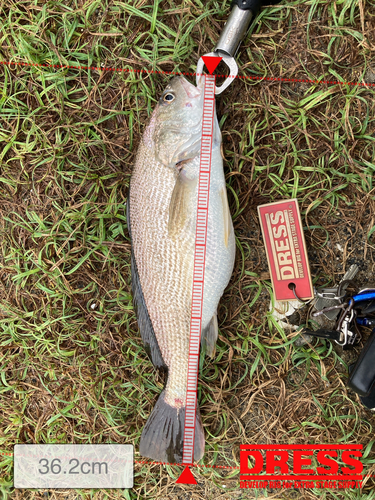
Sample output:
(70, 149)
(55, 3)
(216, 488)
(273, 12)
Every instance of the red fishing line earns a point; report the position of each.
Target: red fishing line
(147, 71)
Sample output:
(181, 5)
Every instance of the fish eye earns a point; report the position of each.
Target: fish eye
(168, 97)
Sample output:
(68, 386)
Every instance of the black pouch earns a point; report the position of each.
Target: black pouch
(366, 307)
(362, 373)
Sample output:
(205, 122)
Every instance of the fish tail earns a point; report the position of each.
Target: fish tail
(163, 435)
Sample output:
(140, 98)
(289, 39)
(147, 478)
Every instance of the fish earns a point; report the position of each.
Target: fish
(161, 218)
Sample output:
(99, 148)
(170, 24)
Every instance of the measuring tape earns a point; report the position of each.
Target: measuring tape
(199, 264)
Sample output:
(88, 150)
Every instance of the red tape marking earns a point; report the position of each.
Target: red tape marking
(199, 264)
(141, 462)
(126, 70)
(190, 465)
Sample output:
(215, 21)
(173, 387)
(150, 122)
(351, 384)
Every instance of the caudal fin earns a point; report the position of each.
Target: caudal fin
(163, 434)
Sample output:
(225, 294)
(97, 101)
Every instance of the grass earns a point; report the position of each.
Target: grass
(73, 368)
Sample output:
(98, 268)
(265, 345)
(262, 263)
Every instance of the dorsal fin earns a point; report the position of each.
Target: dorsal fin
(144, 322)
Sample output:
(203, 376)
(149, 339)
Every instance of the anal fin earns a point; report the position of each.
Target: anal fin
(226, 215)
(209, 336)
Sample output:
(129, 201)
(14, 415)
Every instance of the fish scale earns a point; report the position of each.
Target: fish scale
(157, 256)
(162, 220)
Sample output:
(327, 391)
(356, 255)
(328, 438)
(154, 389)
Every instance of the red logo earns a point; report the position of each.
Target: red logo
(301, 466)
(286, 249)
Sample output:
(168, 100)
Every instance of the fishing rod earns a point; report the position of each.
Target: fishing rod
(242, 14)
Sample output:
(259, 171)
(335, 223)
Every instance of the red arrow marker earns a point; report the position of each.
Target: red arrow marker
(186, 477)
(211, 62)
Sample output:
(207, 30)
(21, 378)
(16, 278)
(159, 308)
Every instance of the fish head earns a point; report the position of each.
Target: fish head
(175, 128)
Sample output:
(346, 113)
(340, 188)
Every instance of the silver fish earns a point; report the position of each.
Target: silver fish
(162, 208)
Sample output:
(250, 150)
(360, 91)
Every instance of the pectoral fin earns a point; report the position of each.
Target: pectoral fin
(226, 215)
(179, 204)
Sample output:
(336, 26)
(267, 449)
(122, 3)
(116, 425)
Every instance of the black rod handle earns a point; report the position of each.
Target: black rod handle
(235, 29)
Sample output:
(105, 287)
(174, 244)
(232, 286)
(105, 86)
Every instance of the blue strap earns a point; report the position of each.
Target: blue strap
(364, 296)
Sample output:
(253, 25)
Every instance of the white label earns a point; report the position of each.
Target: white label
(73, 465)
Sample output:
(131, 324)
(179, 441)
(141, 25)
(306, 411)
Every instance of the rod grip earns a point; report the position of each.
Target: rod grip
(253, 5)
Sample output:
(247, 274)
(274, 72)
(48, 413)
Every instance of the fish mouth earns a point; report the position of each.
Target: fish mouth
(190, 89)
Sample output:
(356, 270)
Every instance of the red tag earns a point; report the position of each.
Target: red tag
(286, 249)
